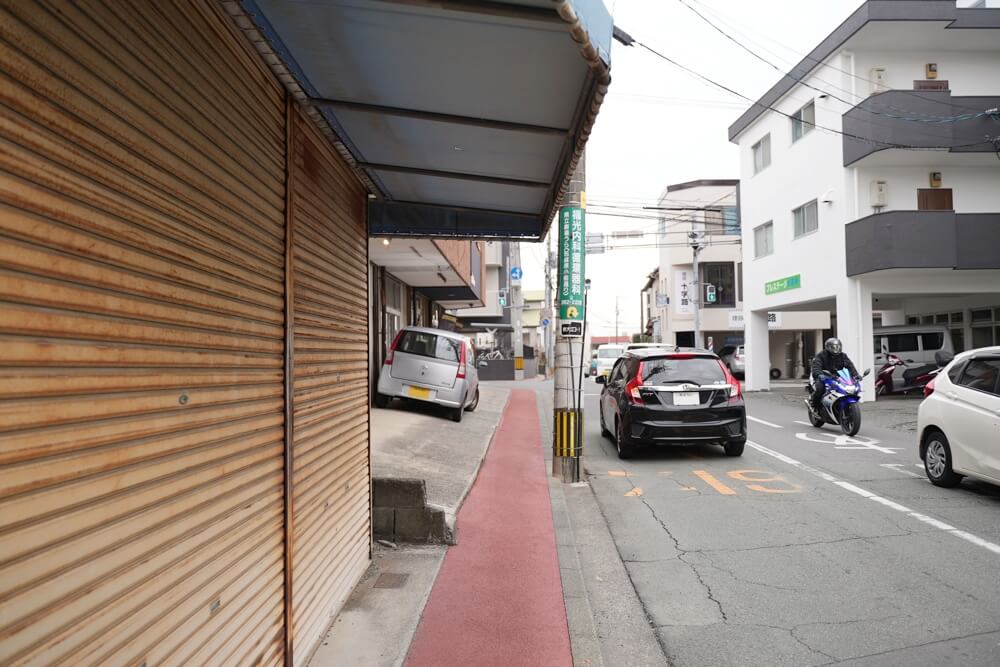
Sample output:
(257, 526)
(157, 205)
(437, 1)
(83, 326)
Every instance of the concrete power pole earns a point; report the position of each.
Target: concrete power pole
(568, 357)
(548, 311)
(696, 301)
(517, 302)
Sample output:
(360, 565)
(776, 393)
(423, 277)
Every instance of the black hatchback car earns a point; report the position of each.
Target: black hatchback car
(663, 396)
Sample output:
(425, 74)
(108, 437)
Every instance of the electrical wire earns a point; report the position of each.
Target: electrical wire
(868, 140)
(802, 58)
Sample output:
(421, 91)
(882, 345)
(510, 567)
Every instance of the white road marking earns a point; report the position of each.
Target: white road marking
(898, 467)
(803, 423)
(761, 421)
(929, 520)
(841, 441)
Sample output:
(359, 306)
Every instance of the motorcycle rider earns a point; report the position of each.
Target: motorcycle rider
(826, 364)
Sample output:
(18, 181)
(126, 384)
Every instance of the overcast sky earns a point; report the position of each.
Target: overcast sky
(659, 125)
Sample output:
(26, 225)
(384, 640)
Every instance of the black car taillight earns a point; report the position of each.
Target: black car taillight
(632, 387)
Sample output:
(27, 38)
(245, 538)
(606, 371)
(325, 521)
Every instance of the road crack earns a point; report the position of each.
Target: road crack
(682, 553)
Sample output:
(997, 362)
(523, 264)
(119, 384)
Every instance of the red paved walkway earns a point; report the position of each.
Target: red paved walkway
(498, 599)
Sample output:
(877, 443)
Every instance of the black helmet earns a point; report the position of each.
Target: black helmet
(833, 345)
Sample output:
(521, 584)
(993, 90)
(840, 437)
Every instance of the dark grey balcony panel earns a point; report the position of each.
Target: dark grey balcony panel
(923, 240)
(887, 120)
(901, 239)
(978, 244)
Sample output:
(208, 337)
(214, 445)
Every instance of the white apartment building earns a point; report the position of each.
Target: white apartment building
(871, 180)
(710, 209)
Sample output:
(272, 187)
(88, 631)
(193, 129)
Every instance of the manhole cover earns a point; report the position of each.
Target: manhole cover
(391, 580)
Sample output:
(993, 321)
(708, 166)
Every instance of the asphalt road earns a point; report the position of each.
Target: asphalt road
(810, 549)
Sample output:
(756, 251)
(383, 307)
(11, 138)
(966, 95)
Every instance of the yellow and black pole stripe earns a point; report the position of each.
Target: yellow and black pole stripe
(566, 434)
(518, 363)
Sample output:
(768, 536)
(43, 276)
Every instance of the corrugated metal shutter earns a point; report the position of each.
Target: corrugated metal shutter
(331, 541)
(141, 337)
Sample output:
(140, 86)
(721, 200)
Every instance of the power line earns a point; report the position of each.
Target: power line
(821, 64)
(874, 142)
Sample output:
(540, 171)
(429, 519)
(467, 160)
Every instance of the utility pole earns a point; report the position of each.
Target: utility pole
(517, 302)
(548, 311)
(570, 297)
(616, 319)
(696, 302)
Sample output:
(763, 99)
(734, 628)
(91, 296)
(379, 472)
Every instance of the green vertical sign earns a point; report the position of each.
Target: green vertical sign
(571, 263)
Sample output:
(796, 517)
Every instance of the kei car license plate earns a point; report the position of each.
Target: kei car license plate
(686, 398)
(418, 392)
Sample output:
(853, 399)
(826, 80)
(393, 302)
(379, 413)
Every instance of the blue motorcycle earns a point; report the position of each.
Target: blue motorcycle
(839, 405)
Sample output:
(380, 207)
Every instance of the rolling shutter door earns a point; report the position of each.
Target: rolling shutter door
(141, 329)
(331, 539)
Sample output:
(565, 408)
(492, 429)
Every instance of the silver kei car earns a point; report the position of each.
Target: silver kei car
(430, 365)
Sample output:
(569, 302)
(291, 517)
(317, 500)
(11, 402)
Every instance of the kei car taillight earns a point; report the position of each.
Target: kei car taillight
(929, 388)
(392, 348)
(632, 387)
(462, 364)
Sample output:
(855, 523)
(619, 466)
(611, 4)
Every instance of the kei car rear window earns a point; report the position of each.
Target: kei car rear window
(429, 345)
(695, 370)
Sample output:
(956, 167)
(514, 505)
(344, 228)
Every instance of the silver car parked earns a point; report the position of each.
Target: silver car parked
(430, 365)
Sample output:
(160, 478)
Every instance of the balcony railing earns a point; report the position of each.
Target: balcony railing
(923, 240)
(922, 119)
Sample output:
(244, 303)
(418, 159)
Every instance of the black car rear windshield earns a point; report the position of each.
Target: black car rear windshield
(429, 345)
(695, 370)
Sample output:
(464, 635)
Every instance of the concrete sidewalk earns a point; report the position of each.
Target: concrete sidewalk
(423, 465)
(498, 599)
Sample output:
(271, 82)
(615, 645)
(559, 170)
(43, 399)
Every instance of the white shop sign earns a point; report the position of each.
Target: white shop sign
(684, 291)
(736, 320)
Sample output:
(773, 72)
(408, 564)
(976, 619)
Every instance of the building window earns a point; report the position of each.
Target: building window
(739, 281)
(803, 121)
(763, 240)
(722, 276)
(762, 154)
(730, 220)
(806, 219)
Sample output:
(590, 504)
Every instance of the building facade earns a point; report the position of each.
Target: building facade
(708, 212)
(870, 186)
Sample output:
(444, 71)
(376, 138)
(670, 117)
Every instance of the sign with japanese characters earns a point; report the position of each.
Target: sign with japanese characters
(783, 284)
(571, 264)
(684, 291)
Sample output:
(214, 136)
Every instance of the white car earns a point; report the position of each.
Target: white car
(959, 420)
(607, 355)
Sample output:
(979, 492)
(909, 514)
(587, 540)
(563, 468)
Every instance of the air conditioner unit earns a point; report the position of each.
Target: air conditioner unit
(879, 194)
(877, 80)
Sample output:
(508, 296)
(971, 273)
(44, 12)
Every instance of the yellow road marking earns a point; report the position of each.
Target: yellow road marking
(764, 476)
(711, 480)
(634, 492)
(617, 473)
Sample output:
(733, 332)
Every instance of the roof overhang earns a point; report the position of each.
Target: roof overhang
(464, 117)
(421, 264)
